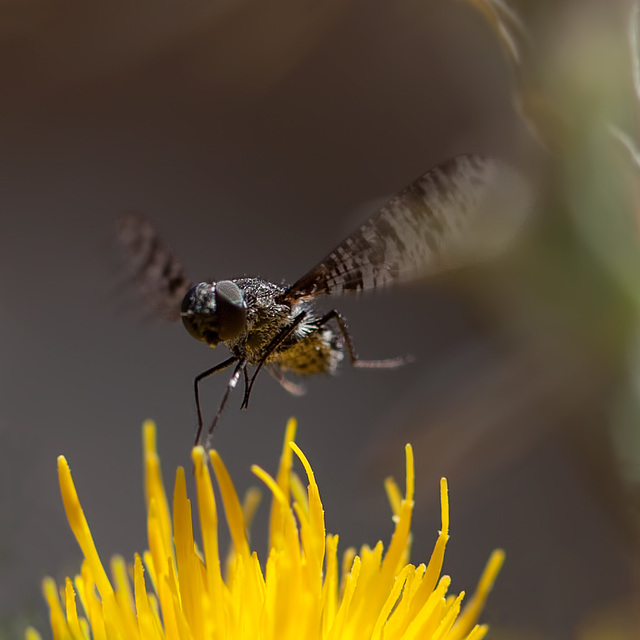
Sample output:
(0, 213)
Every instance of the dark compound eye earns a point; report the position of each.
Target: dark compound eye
(199, 314)
(231, 310)
(191, 301)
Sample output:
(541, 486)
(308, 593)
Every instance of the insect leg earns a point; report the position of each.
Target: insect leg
(245, 371)
(231, 385)
(287, 385)
(205, 374)
(271, 347)
(389, 363)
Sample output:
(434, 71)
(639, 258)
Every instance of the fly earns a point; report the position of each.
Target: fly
(460, 211)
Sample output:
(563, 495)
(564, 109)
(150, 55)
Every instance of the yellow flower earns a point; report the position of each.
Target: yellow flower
(302, 594)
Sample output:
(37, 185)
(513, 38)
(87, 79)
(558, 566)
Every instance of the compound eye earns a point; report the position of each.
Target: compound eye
(231, 310)
(199, 314)
(190, 301)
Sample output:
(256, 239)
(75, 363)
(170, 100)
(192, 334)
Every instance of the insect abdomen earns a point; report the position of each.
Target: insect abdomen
(319, 352)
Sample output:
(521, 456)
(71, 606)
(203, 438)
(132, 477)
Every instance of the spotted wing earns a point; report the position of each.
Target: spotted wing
(459, 212)
(151, 263)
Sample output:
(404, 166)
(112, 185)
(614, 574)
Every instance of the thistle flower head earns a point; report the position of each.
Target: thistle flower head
(179, 590)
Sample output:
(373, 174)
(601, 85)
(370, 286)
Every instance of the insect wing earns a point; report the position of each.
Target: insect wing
(151, 263)
(460, 211)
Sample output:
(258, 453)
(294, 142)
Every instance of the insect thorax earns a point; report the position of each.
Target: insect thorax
(309, 349)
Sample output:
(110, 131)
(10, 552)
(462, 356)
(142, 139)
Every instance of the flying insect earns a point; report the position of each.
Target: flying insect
(461, 211)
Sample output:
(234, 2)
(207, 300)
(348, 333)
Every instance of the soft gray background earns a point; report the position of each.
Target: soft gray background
(257, 138)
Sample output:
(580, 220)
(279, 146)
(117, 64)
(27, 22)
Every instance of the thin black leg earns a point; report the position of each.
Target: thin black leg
(205, 374)
(272, 346)
(389, 363)
(231, 385)
(245, 371)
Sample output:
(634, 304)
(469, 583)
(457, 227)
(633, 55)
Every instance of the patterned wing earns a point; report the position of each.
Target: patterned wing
(461, 211)
(150, 262)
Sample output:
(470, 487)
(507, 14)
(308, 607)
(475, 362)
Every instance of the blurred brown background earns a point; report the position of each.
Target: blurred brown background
(257, 135)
